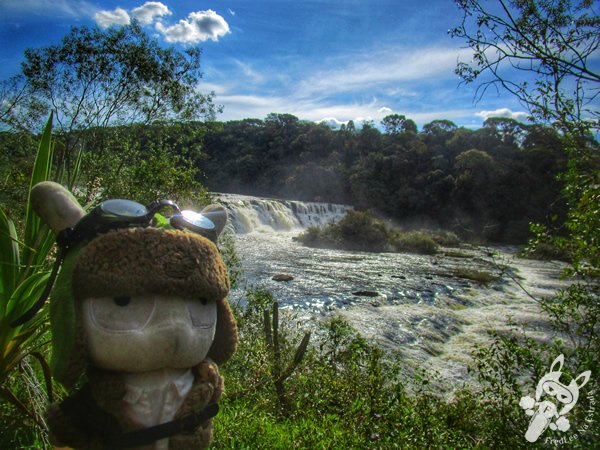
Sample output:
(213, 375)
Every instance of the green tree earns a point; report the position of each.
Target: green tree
(476, 175)
(96, 78)
(144, 162)
(550, 47)
(396, 123)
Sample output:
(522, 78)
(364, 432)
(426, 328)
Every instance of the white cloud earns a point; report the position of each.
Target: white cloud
(332, 122)
(318, 110)
(385, 110)
(503, 112)
(198, 27)
(231, 11)
(116, 17)
(384, 68)
(149, 11)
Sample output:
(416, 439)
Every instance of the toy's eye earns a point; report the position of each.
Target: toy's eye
(203, 312)
(120, 313)
(122, 301)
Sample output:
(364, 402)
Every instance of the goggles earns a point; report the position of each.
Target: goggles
(119, 213)
(116, 214)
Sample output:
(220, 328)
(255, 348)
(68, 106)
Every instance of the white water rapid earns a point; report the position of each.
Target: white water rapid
(252, 214)
(423, 307)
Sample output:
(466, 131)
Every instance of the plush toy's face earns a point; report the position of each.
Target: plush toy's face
(148, 332)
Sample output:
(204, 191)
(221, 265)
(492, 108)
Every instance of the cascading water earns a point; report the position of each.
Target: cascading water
(420, 306)
(248, 214)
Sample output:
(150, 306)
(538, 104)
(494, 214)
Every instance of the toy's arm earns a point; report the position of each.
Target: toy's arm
(207, 389)
(65, 427)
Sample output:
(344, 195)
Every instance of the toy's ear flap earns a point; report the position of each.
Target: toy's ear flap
(55, 205)
(218, 215)
(226, 334)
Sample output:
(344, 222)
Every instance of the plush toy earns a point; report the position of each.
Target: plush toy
(139, 323)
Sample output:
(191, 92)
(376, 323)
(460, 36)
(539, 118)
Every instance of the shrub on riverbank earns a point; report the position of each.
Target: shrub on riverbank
(361, 231)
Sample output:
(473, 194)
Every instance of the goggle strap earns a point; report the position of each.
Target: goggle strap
(156, 206)
(30, 314)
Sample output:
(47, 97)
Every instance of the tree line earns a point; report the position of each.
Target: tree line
(486, 183)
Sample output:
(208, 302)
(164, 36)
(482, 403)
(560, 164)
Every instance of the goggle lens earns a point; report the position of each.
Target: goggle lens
(119, 209)
(197, 220)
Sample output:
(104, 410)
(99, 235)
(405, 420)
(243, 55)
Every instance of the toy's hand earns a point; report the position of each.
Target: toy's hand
(207, 374)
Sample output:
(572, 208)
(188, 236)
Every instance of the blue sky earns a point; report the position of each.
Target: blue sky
(319, 60)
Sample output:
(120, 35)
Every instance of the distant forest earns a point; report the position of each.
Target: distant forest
(487, 183)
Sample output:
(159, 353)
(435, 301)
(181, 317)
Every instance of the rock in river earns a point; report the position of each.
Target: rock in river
(366, 294)
(282, 277)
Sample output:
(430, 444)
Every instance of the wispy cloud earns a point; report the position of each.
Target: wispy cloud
(379, 83)
(199, 26)
(249, 72)
(149, 11)
(334, 114)
(383, 68)
(56, 8)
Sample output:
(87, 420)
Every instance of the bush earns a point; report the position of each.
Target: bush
(361, 231)
(446, 238)
(414, 242)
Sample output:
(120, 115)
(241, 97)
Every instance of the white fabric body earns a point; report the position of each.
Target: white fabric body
(155, 397)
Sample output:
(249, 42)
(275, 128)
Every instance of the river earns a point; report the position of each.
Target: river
(423, 307)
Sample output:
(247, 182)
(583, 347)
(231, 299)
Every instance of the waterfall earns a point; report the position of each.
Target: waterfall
(248, 214)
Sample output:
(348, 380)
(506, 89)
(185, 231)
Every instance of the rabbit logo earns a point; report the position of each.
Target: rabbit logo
(558, 400)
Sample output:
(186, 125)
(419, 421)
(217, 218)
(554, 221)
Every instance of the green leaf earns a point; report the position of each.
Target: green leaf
(76, 170)
(9, 260)
(26, 294)
(41, 172)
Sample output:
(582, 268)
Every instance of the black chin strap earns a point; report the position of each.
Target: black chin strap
(183, 425)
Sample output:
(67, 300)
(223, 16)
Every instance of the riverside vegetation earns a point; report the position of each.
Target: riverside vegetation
(361, 231)
(345, 392)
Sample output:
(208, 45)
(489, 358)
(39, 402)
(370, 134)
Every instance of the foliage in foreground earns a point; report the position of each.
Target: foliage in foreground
(24, 271)
(361, 231)
(347, 393)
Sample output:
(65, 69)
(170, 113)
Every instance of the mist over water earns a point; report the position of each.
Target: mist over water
(419, 305)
